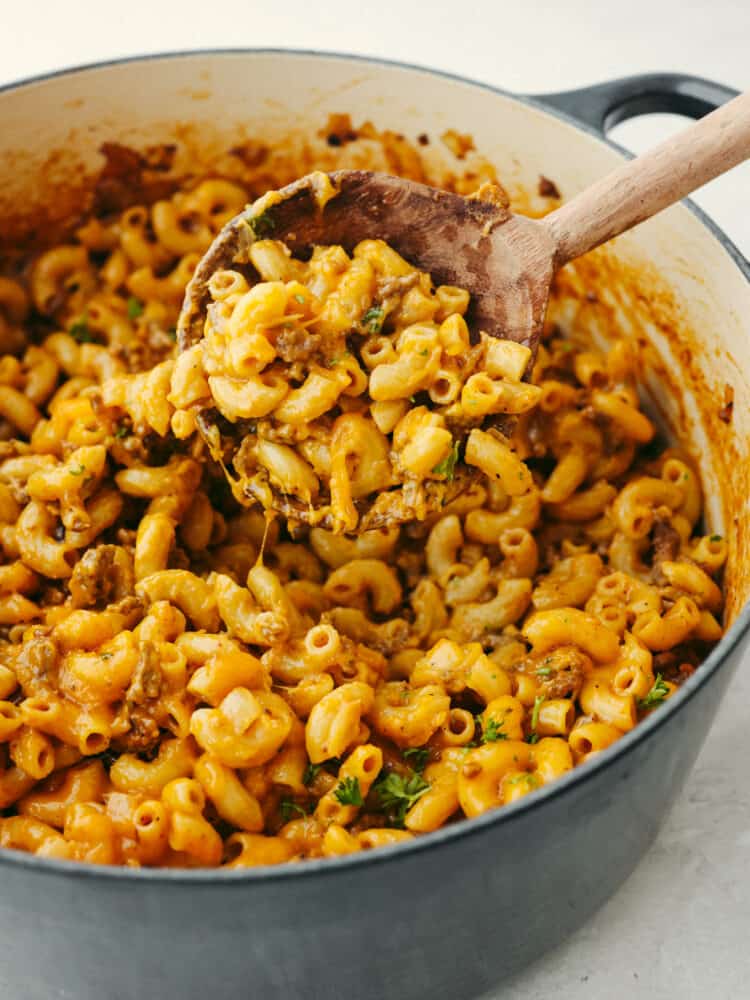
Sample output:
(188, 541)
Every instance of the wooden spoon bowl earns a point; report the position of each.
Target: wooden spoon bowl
(505, 261)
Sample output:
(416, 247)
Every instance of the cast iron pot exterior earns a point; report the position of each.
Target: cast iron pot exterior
(449, 915)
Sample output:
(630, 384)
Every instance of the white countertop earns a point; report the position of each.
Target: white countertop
(679, 927)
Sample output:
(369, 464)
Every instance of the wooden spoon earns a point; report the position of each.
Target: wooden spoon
(505, 261)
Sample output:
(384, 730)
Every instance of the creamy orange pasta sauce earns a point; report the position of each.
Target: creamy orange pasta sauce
(185, 681)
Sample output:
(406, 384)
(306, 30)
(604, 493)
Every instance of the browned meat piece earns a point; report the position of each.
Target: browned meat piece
(36, 663)
(147, 677)
(143, 734)
(665, 540)
(298, 345)
(101, 576)
(149, 347)
(387, 638)
(133, 608)
(370, 820)
(142, 702)
(386, 288)
(677, 664)
(560, 673)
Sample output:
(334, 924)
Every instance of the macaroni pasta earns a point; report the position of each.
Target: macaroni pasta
(185, 681)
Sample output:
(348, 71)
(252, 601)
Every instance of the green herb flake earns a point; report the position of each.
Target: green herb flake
(372, 320)
(418, 758)
(135, 307)
(300, 298)
(79, 330)
(105, 656)
(262, 224)
(656, 696)
(532, 738)
(311, 773)
(716, 538)
(492, 732)
(289, 808)
(538, 701)
(424, 353)
(348, 792)
(447, 467)
(529, 779)
(332, 362)
(77, 470)
(543, 671)
(172, 333)
(397, 794)
(122, 431)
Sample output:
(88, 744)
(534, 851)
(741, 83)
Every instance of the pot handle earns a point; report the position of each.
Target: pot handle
(604, 105)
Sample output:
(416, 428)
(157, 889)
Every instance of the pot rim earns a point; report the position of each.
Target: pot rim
(465, 828)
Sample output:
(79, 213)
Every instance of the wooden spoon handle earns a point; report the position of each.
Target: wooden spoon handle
(660, 177)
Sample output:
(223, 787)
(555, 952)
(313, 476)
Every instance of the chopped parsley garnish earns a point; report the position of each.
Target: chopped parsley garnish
(529, 778)
(533, 736)
(105, 656)
(657, 694)
(372, 320)
(332, 362)
(348, 792)
(262, 224)
(418, 758)
(543, 671)
(300, 298)
(311, 773)
(80, 331)
(397, 794)
(77, 470)
(447, 467)
(122, 431)
(289, 809)
(135, 307)
(172, 333)
(715, 538)
(492, 732)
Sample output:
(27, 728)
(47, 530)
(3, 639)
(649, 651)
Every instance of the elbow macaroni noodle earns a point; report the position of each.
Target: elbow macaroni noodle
(348, 378)
(185, 681)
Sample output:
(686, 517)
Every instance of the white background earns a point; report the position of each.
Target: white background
(680, 927)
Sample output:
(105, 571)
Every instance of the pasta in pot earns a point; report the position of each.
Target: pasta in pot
(185, 681)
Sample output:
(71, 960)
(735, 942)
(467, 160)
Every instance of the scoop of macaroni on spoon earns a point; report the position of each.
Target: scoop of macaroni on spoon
(354, 346)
